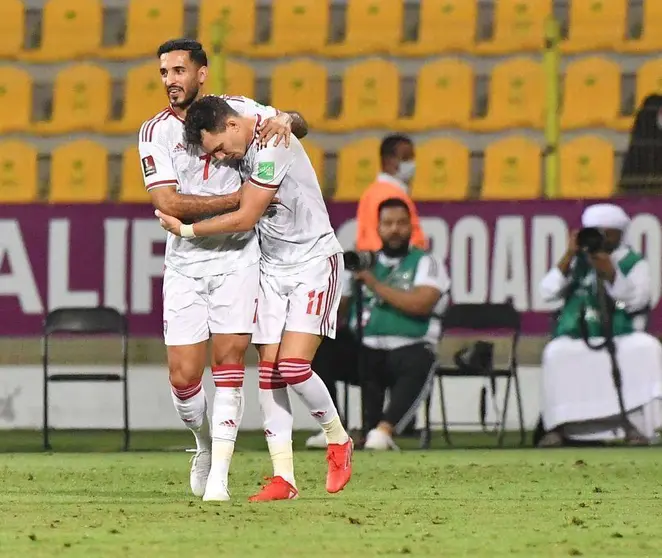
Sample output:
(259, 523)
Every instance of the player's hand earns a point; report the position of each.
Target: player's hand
(572, 242)
(366, 277)
(169, 223)
(279, 126)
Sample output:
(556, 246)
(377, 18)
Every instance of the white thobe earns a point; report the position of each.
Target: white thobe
(578, 391)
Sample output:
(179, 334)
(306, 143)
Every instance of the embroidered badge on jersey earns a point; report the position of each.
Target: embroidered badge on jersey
(149, 168)
(265, 171)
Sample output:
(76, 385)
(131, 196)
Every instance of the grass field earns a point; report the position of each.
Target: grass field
(477, 503)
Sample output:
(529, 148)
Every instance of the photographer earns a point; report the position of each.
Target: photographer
(580, 399)
(405, 291)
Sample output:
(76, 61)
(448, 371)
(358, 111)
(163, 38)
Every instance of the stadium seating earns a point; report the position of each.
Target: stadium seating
(71, 29)
(650, 37)
(442, 171)
(132, 187)
(444, 96)
(12, 22)
(316, 155)
(297, 27)
(18, 172)
(358, 166)
(444, 26)
(516, 97)
(81, 100)
(587, 168)
(149, 23)
(238, 24)
(239, 79)
(519, 25)
(79, 173)
(301, 85)
(370, 97)
(512, 170)
(591, 93)
(372, 27)
(595, 25)
(16, 97)
(649, 81)
(144, 96)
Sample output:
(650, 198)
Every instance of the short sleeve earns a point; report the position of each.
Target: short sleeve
(270, 165)
(248, 107)
(155, 162)
(432, 273)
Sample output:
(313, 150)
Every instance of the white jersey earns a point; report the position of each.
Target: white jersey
(166, 162)
(298, 234)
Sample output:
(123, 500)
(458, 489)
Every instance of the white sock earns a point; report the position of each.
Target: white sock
(310, 387)
(278, 421)
(191, 406)
(226, 418)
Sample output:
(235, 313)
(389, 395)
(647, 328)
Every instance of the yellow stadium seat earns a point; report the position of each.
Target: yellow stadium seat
(297, 27)
(372, 26)
(358, 166)
(316, 156)
(444, 26)
(519, 25)
(591, 93)
(16, 98)
(595, 25)
(79, 173)
(71, 29)
(587, 168)
(516, 97)
(81, 100)
(18, 172)
(144, 96)
(238, 23)
(444, 96)
(512, 170)
(12, 22)
(370, 97)
(132, 188)
(650, 39)
(442, 171)
(149, 23)
(300, 85)
(649, 82)
(239, 79)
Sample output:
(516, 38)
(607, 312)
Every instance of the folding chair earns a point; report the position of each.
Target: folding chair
(90, 321)
(489, 319)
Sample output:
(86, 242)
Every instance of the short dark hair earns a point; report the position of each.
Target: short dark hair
(389, 143)
(393, 202)
(194, 48)
(208, 113)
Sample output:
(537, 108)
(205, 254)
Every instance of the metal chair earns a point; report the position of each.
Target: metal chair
(90, 321)
(480, 318)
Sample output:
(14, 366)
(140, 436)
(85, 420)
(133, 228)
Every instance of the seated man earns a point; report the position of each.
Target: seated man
(579, 398)
(404, 295)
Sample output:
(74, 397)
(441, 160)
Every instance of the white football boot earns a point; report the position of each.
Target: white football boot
(216, 491)
(200, 467)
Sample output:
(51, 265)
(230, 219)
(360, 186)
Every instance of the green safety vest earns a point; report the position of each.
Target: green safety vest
(380, 319)
(582, 292)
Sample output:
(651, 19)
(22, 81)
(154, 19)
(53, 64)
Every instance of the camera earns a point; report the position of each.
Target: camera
(359, 261)
(591, 240)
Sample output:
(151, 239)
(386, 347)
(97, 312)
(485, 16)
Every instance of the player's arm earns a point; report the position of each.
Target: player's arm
(161, 183)
(270, 166)
(274, 122)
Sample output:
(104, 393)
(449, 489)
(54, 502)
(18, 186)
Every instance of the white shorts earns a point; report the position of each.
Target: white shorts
(307, 302)
(194, 308)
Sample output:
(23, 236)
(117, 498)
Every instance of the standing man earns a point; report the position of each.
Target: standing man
(299, 281)
(398, 166)
(209, 285)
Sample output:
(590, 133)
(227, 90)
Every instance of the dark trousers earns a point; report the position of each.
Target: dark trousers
(407, 373)
(404, 372)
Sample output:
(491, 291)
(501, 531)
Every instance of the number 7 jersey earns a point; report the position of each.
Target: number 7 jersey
(297, 233)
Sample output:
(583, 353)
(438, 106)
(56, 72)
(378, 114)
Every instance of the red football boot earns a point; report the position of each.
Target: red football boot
(276, 489)
(339, 457)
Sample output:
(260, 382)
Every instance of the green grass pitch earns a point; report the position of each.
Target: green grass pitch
(473, 503)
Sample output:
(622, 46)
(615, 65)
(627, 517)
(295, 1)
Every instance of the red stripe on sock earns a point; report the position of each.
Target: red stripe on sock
(294, 370)
(184, 393)
(228, 376)
(269, 377)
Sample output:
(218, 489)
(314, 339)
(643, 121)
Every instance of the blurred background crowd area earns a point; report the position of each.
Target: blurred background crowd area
(505, 99)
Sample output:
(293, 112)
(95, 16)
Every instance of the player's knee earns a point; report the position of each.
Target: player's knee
(231, 350)
(183, 375)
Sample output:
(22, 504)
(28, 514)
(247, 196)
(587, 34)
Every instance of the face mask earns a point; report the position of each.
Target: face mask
(406, 171)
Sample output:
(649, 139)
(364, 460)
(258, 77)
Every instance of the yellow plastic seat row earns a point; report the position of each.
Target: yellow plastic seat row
(512, 169)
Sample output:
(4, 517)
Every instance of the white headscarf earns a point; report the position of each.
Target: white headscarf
(605, 216)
